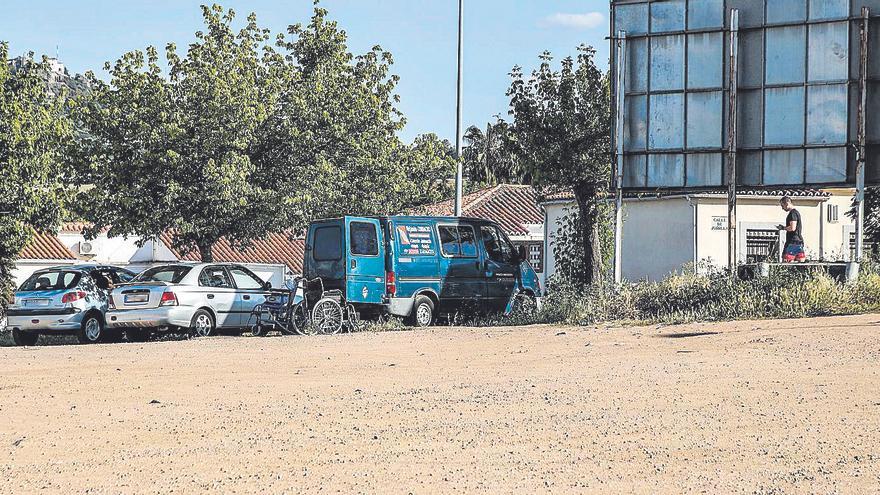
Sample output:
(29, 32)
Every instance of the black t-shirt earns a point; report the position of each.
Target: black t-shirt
(795, 236)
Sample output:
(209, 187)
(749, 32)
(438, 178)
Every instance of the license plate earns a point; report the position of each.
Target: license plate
(36, 303)
(137, 298)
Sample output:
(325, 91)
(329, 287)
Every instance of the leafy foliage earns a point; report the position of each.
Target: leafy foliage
(249, 135)
(33, 128)
(175, 153)
(489, 158)
(561, 133)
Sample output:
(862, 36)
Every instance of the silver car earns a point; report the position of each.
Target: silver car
(199, 298)
(64, 300)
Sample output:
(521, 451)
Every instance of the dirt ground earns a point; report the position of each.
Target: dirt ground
(747, 407)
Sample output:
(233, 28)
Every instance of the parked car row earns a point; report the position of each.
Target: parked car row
(99, 303)
(413, 267)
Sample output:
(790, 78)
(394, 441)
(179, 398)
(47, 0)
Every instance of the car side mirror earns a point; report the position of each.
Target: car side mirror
(521, 252)
(267, 285)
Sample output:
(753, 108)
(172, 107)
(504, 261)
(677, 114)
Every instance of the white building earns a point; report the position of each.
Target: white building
(662, 233)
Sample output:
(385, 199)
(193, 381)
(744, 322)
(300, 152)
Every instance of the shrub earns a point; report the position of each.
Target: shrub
(690, 297)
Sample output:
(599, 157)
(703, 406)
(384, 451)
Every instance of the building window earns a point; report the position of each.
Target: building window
(826, 165)
(783, 167)
(829, 60)
(828, 9)
(780, 11)
(785, 54)
(705, 60)
(667, 16)
(704, 111)
(784, 116)
(667, 122)
(636, 125)
(704, 14)
(762, 245)
(826, 114)
(704, 169)
(631, 18)
(666, 170)
(667, 63)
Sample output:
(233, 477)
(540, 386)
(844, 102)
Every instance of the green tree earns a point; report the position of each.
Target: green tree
(33, 127)
(333, 137)
(429, 167)
(490, 159)
(174, 153)
(561, 131)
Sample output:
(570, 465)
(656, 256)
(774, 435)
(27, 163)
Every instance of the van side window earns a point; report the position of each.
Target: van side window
(458, 241)
(364, 239)
(328, 243)
(449, 240)
(497, 246)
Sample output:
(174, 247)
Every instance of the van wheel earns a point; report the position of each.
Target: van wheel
(423, 312)
(91, 331)
(202, 324)
(24, 338)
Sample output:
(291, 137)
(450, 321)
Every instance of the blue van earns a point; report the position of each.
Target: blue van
(420, 267)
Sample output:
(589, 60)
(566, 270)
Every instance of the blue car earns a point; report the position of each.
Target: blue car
(419, 267)
(64, 300)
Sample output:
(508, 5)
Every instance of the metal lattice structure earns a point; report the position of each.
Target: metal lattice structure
(797, 98)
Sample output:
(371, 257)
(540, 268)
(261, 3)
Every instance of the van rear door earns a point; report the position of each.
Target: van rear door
(365, 261)
(324, 256)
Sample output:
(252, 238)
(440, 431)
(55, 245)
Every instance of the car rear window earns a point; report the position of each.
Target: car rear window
(364, 239)
(170, 274)
(328, 243)
(51, 280)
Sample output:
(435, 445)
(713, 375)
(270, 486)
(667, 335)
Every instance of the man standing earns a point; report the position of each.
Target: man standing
(794, 241)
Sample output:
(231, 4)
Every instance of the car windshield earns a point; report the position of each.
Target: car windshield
(51, 280)
(172, 274)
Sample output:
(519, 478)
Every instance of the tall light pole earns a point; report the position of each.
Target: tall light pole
(458, 165)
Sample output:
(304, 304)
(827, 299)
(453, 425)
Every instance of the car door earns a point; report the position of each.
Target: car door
(501, 267)
(215, 285)
(365, 261)
(462, 281)
(250, 291)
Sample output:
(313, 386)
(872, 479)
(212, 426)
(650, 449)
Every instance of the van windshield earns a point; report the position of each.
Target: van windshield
(171, 274)
(51, 280)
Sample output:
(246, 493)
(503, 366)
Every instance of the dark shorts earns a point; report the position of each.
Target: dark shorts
(793, 252)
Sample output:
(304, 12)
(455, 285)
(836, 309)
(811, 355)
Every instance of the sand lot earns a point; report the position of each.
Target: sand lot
(748, 407)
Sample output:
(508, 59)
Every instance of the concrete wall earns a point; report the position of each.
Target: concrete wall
(657, 237)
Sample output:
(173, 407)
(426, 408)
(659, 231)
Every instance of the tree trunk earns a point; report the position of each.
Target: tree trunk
(586, 195)
(206, 252)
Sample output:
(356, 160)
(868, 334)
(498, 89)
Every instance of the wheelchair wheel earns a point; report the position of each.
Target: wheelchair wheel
(299, 322)
(355, 323)
(327, 317)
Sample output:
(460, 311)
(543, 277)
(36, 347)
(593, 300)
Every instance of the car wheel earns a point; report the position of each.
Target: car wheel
(423, 312)
(137, 334)
(91, 331)
(202, 324)
(24, 338)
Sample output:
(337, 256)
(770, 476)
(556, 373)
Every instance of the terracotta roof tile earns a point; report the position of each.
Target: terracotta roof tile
(46, 247)
(795, 193)
(78, 227)
(276, 248)
(512, 206)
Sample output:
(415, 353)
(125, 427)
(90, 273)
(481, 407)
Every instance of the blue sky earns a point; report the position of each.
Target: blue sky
(420, 34)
